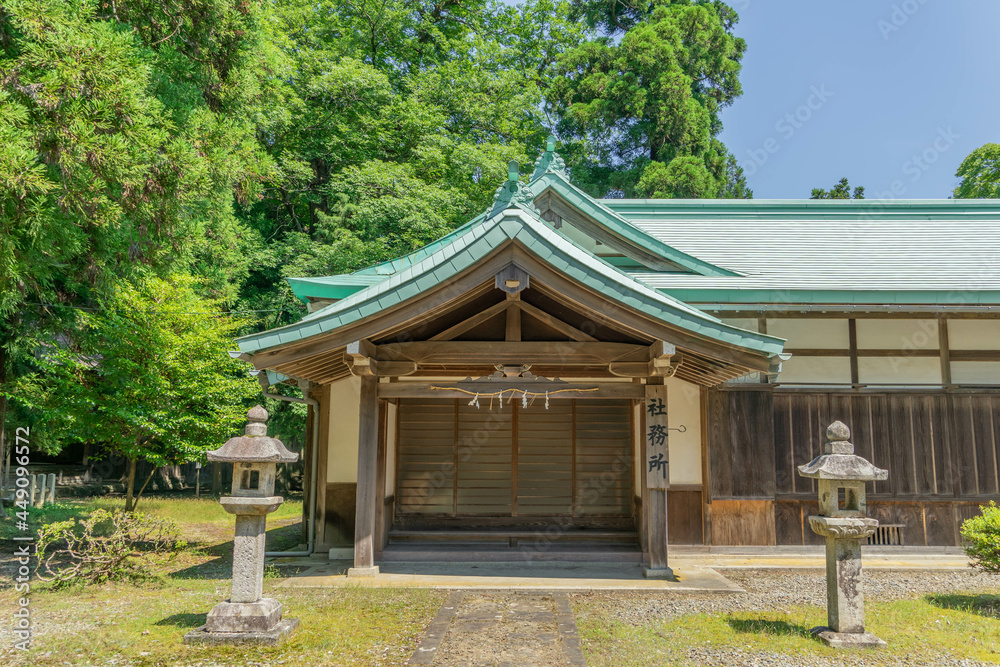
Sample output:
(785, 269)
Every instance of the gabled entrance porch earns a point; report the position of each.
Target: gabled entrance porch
(514, 314)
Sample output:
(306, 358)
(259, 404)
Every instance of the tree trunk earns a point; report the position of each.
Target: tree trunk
(143, 488)
(130, 484)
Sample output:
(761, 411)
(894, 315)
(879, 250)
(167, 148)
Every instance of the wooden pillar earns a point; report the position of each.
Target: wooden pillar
(320, 420)
(381, 534)
(364, 526)
(307, 471)
(656, 464)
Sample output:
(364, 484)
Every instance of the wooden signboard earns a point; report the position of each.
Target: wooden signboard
(657, 453)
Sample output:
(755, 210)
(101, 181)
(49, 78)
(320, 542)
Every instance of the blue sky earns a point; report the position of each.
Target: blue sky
(892, 95)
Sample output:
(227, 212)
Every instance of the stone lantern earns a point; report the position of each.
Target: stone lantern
(841, 477)
(247, 616)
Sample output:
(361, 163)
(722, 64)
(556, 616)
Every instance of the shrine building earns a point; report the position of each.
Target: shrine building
(565, 377)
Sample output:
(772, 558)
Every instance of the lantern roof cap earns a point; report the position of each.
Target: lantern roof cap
(838, 460)
(254, 446)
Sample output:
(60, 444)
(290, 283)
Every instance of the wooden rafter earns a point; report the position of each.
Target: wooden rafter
(470, 323)
(564, 328)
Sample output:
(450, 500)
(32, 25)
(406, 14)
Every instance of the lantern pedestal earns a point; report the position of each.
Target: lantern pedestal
(841, 478)
(247, 617)
(844, 589)
(257, 622)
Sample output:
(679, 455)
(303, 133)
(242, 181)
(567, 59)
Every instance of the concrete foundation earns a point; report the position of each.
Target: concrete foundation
(363, 571)
(659, 573)
(847, 639)
(275, 635)
(258, 616)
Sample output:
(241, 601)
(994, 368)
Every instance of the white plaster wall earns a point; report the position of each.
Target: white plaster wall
(890, 334)
(342, 447)
(899, 370)
(684, 409)
(818, 370)
(812, 333)
(973, 335)
(975, 372)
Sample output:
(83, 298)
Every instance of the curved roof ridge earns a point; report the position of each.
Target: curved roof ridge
(475, 243)
(624, 228)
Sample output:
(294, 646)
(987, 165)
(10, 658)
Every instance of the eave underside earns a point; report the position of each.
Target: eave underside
(556, 334)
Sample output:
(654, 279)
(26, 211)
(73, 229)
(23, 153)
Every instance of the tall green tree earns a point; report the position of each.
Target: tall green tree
(402, 116)
(146, 375)
(980, 174)
(639, 105)
(127, 132)
(842, 190)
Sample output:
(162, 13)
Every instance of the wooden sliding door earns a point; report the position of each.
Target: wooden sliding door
(456, 460)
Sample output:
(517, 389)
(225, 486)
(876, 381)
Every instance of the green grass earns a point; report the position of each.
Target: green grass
(144, 625)
(922, 630)
(202, 519)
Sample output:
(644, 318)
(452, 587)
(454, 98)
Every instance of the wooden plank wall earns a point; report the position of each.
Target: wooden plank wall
(427, 436)
(456, 460)
(941, 450)
(545, 474)
(602, 432)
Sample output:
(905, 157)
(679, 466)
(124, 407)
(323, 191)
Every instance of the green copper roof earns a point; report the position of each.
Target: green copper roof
(765, 251)
(829, 251)
(599, 211)
(475, 242)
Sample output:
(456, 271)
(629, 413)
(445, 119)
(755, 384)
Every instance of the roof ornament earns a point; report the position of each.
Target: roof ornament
(549, 161)
(512, 194)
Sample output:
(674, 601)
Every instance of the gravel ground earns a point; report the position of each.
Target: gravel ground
(779, 591)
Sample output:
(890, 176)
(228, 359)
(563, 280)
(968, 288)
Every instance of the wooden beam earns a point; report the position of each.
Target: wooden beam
(450, 390)
(513, 323)
(945, 346)
(660, 358)
(662, 363)
(360, 356)
(562, 327)
(470, 323)
(549, 353)
(396, 368)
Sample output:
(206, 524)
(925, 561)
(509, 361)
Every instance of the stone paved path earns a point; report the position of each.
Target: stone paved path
(501, 629)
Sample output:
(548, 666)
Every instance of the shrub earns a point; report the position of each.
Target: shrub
(107, 546)
(982, 539)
